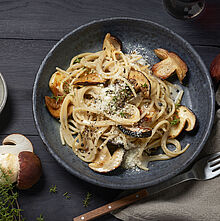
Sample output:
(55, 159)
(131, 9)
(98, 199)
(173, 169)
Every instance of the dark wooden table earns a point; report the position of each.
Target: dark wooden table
(28, 30)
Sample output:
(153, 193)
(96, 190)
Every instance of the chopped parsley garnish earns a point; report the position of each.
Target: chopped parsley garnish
(77, 60)
(57, 98)
(177, 105)
(66, 87)
(144, 85)
(175, 121)
(87, 199)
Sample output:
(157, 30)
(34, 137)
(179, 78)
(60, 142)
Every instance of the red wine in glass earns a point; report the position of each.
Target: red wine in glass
(184, 9)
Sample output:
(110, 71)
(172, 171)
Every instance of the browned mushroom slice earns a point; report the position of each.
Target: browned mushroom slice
(55, 82)
(138, 132)
(111, 43)
(170, 63)
(54, 107)
(89, 79)
(140, 82)
(104, 162)
(184, 115)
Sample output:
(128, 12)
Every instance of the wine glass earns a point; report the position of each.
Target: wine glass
(184, 9)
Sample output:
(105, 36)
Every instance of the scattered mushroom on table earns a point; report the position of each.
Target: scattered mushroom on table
(19, 162)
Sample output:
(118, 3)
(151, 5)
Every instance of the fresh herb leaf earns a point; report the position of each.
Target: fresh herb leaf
(67, 196)
(87, 199)
(177, 105)
(144, 85)
(57, 98)
(77, 60)
(40, 218)
(175, 121)
(53, 189)
(9, 206)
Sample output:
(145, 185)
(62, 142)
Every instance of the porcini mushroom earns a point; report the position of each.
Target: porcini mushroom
(18, 161)
(89, 79)
(55, 82)
(140, 82)
(138, 132)
(111, 44)
(104, 162)
(54, 106)
(170, 63)
(184, 116)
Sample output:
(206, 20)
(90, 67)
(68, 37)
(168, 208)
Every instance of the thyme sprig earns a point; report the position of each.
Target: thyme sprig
(67, 195)
(40, 218)
(53, 189)
(87, 199)
(9, 207)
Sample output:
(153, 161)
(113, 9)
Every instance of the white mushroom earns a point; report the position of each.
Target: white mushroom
(18, 162)
(184, 115)
(15, 143)
(104, 162)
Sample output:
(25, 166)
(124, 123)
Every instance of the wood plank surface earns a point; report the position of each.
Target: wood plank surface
(28, 30)
(43, 19)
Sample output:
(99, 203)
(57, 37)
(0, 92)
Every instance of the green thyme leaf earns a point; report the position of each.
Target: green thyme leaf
(53, 189)
(175, 121)
(67, 195)
(77, 60)
(57, 98)
(177, 105)
(9, 206)
(87, 199)
(40, 218)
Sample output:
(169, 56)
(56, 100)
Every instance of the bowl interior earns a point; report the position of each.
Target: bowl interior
(143, 37)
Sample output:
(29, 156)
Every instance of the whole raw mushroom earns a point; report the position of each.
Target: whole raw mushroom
(18, 161)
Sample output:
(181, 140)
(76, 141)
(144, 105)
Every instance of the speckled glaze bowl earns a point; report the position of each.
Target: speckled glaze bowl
(142, 36)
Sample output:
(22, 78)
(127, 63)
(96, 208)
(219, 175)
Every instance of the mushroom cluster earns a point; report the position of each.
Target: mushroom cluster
(18, 161)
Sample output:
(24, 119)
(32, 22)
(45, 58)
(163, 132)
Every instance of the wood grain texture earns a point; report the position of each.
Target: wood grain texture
(44, 19)
(54, 206)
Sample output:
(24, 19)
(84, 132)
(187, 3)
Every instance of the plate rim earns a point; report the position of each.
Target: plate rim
(140, 184)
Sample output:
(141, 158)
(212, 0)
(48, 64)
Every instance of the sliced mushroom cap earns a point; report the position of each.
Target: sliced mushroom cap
(55, 82)
(54, 107)
(111, 43)
(170, 63)
(104, 162)
(140, 82)
(30, 170)
(15, 143)
(89, 79)
(185, 115)
(137, 132)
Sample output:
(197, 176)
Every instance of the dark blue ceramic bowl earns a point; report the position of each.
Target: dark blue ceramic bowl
(142, 36)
